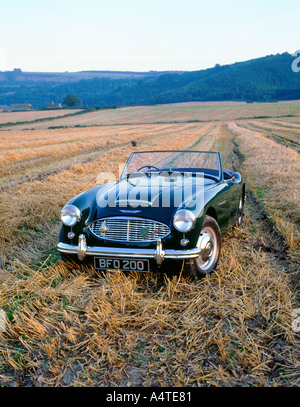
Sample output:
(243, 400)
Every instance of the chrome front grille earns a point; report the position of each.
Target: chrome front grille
(123, 229)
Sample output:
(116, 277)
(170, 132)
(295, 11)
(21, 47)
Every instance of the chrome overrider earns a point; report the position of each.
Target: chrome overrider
(158, 254)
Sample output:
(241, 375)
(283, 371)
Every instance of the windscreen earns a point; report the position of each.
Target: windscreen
(182, 161)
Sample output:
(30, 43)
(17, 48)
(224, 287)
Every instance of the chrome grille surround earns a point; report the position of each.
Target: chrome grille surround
(129, 229)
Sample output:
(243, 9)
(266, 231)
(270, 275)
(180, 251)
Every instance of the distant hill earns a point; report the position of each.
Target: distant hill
(264, 79)
(17, 77)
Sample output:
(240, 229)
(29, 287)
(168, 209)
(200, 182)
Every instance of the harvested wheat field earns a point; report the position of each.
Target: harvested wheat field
(65, 326)
(170, 113)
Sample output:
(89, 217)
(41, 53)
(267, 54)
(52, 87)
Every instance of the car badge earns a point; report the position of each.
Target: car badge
(103, 227)
(144, 232)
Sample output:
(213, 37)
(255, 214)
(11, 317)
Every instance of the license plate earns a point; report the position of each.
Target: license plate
(109, 263)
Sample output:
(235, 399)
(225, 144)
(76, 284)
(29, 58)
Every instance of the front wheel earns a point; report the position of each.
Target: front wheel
(210, 243)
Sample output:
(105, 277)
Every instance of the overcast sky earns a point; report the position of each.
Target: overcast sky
(138, 35)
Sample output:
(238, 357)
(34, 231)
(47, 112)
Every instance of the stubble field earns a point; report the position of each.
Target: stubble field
(64, 326)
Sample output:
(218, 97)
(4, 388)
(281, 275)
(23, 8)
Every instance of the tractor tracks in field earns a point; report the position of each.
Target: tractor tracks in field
(284, 138)
(267, 239)
(270, 241)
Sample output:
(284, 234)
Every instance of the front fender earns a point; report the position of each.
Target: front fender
(86, 202)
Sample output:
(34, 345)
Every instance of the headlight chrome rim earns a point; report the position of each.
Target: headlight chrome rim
(184, 220)
(70, 215)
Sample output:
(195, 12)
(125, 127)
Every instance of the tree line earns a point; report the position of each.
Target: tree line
(263, 79)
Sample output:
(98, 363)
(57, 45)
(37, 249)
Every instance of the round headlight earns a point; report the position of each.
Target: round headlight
(184, 220)
(70, 215)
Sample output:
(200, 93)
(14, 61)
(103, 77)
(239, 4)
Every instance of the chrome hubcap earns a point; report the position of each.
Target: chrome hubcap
(207, 243)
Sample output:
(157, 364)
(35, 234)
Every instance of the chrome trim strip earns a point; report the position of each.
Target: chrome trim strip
(132, 202)
(130, 211)
(119, 252)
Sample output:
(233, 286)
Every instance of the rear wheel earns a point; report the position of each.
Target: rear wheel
(210, 243)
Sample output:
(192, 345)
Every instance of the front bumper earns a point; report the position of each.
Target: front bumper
(158, 254)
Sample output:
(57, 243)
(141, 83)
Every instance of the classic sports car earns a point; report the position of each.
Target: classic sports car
(166, 206)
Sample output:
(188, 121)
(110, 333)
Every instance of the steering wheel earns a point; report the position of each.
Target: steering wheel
(148, 166)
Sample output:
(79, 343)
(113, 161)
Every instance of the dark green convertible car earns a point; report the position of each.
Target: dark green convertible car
(167, 206)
